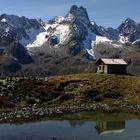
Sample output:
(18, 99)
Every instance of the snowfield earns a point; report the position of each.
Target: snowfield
(3, 20)
(32, 33)
(37, 38)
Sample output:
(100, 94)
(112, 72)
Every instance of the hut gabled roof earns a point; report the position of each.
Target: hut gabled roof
(111, 61)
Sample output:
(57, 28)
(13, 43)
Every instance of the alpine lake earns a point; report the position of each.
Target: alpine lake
(80, 126)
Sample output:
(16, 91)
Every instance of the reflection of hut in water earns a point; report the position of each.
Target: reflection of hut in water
(105, 127)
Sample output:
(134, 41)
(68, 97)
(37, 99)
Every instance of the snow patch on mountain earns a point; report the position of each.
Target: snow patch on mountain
(32, 35)
(53, 26)
(7, 29)
(62, 32)
(137, 41)
(58, 19)
(93, 23)
(102, 39)
(123, 39)
(93, 39)
(3, 20)
(105, 40)
(69, 17)
(39, 41)
(89, 43)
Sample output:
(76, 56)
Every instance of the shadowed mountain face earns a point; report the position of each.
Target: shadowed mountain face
(130, 29)
(12, 55)
(69, 44)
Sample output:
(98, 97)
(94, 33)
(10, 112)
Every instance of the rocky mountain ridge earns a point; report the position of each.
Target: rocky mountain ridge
(30, 43)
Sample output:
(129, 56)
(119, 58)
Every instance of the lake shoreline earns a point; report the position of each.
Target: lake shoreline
(37, 113)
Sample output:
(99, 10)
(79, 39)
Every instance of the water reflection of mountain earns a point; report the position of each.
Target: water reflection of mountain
(105, 127)
(75, 123)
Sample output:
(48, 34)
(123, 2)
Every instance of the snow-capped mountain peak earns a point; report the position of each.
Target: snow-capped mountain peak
(74, 30)
(77, 12)
(129, 21)
(76, 26)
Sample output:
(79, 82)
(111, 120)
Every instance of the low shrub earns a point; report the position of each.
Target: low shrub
(91, 93)
(99, 98)
(113, 94)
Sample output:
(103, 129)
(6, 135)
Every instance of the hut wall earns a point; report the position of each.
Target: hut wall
(117, 69)
(102, 68)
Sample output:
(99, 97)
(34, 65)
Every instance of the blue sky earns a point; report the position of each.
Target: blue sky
(108, 13)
